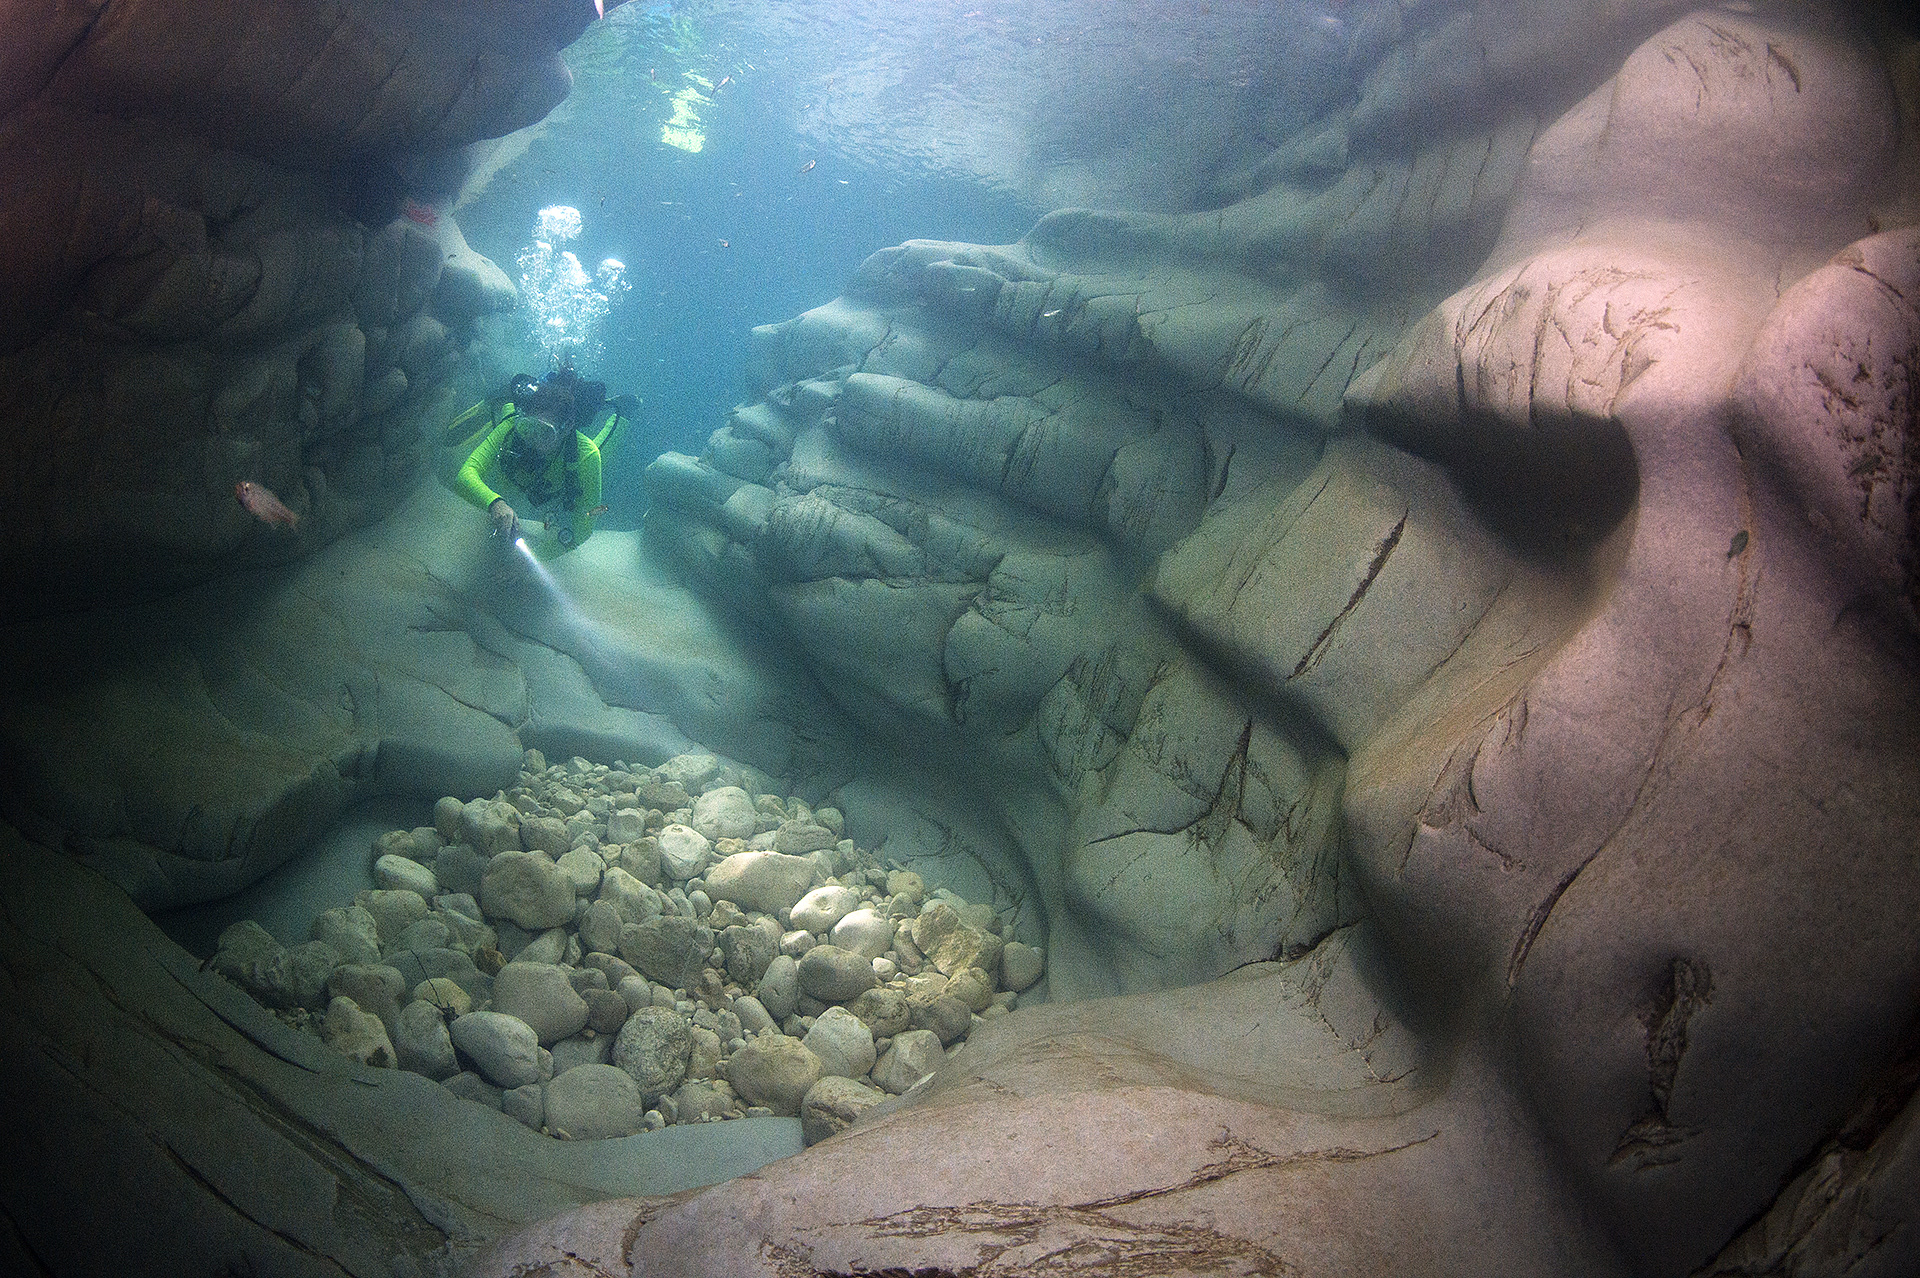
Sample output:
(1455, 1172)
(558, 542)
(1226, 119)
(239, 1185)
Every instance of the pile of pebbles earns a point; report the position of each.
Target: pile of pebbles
(606, 950)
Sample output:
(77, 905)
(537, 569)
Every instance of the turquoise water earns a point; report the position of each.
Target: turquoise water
(737, 234)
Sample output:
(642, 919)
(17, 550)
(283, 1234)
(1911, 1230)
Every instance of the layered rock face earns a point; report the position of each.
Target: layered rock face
(1440, 629)
(1470, 582)
(208, 276)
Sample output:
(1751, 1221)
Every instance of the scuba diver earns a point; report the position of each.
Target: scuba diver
(546, 439)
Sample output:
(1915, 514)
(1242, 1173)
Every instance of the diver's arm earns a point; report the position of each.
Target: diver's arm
(469, 483)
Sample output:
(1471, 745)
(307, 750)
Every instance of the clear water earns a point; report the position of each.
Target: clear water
(961, 121)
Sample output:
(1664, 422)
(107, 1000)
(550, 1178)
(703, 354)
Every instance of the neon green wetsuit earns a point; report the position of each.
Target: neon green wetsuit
(542, 479)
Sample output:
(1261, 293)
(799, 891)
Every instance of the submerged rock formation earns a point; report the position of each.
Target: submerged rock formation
(1437, 633)
(209, 278)
(1459, 600)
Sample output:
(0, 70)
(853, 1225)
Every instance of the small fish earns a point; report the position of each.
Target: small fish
(1050, 314)
(651, 75)
(725, 80)
(596, 512)
(1738, 544)
(726, 244)
(263, 505)
(599, 8)
(415, 211)
(808, 166)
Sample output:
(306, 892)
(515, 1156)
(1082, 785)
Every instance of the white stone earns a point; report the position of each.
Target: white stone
(762, 882)
(865, 932)
(399, 873)
(725, 812)
(684, 852)
(842, 1042)
(796, 943)
(821, 908)
(503, 1049)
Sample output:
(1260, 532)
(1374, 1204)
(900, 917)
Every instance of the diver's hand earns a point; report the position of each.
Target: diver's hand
(505, 522)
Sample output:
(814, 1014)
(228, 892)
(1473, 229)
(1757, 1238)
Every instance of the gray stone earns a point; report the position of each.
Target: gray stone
(912, 1055)
(822, 907)
(489, 827)
(548, 947)
(541, 995)
(583, 868)
(843, 1043)
(465, 932)
(354, 1032)
(864, 932)
(416, 966)
(774, 1071)
(725, 812)
(779, 988)
(544, 834)
(526, 1103)
(470, 1086)
(834, 975)
(445, 995)
(831, 1106)
(670, 949)
(972, 987)
(798, 838)
(594, 1102)
(570, 1053)
(684, 852)
(641, 859)
(429, 933)
(502, 1048)
(699, 1102)
(404, 874)
(690, 771)
(446, 817)
(761, 882)
(309, 967)
(749, 949)
(753, 1014)
(375, 987)
(1020, 966)
(351, 931)
(606, 1010)
(460, 868)
(627, 825)
(249, 957)
(945, 1015)
(633, 900)
(527, 890)
(613, 967)
(421, 1043)
(654, 1047)
(884, 1011)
